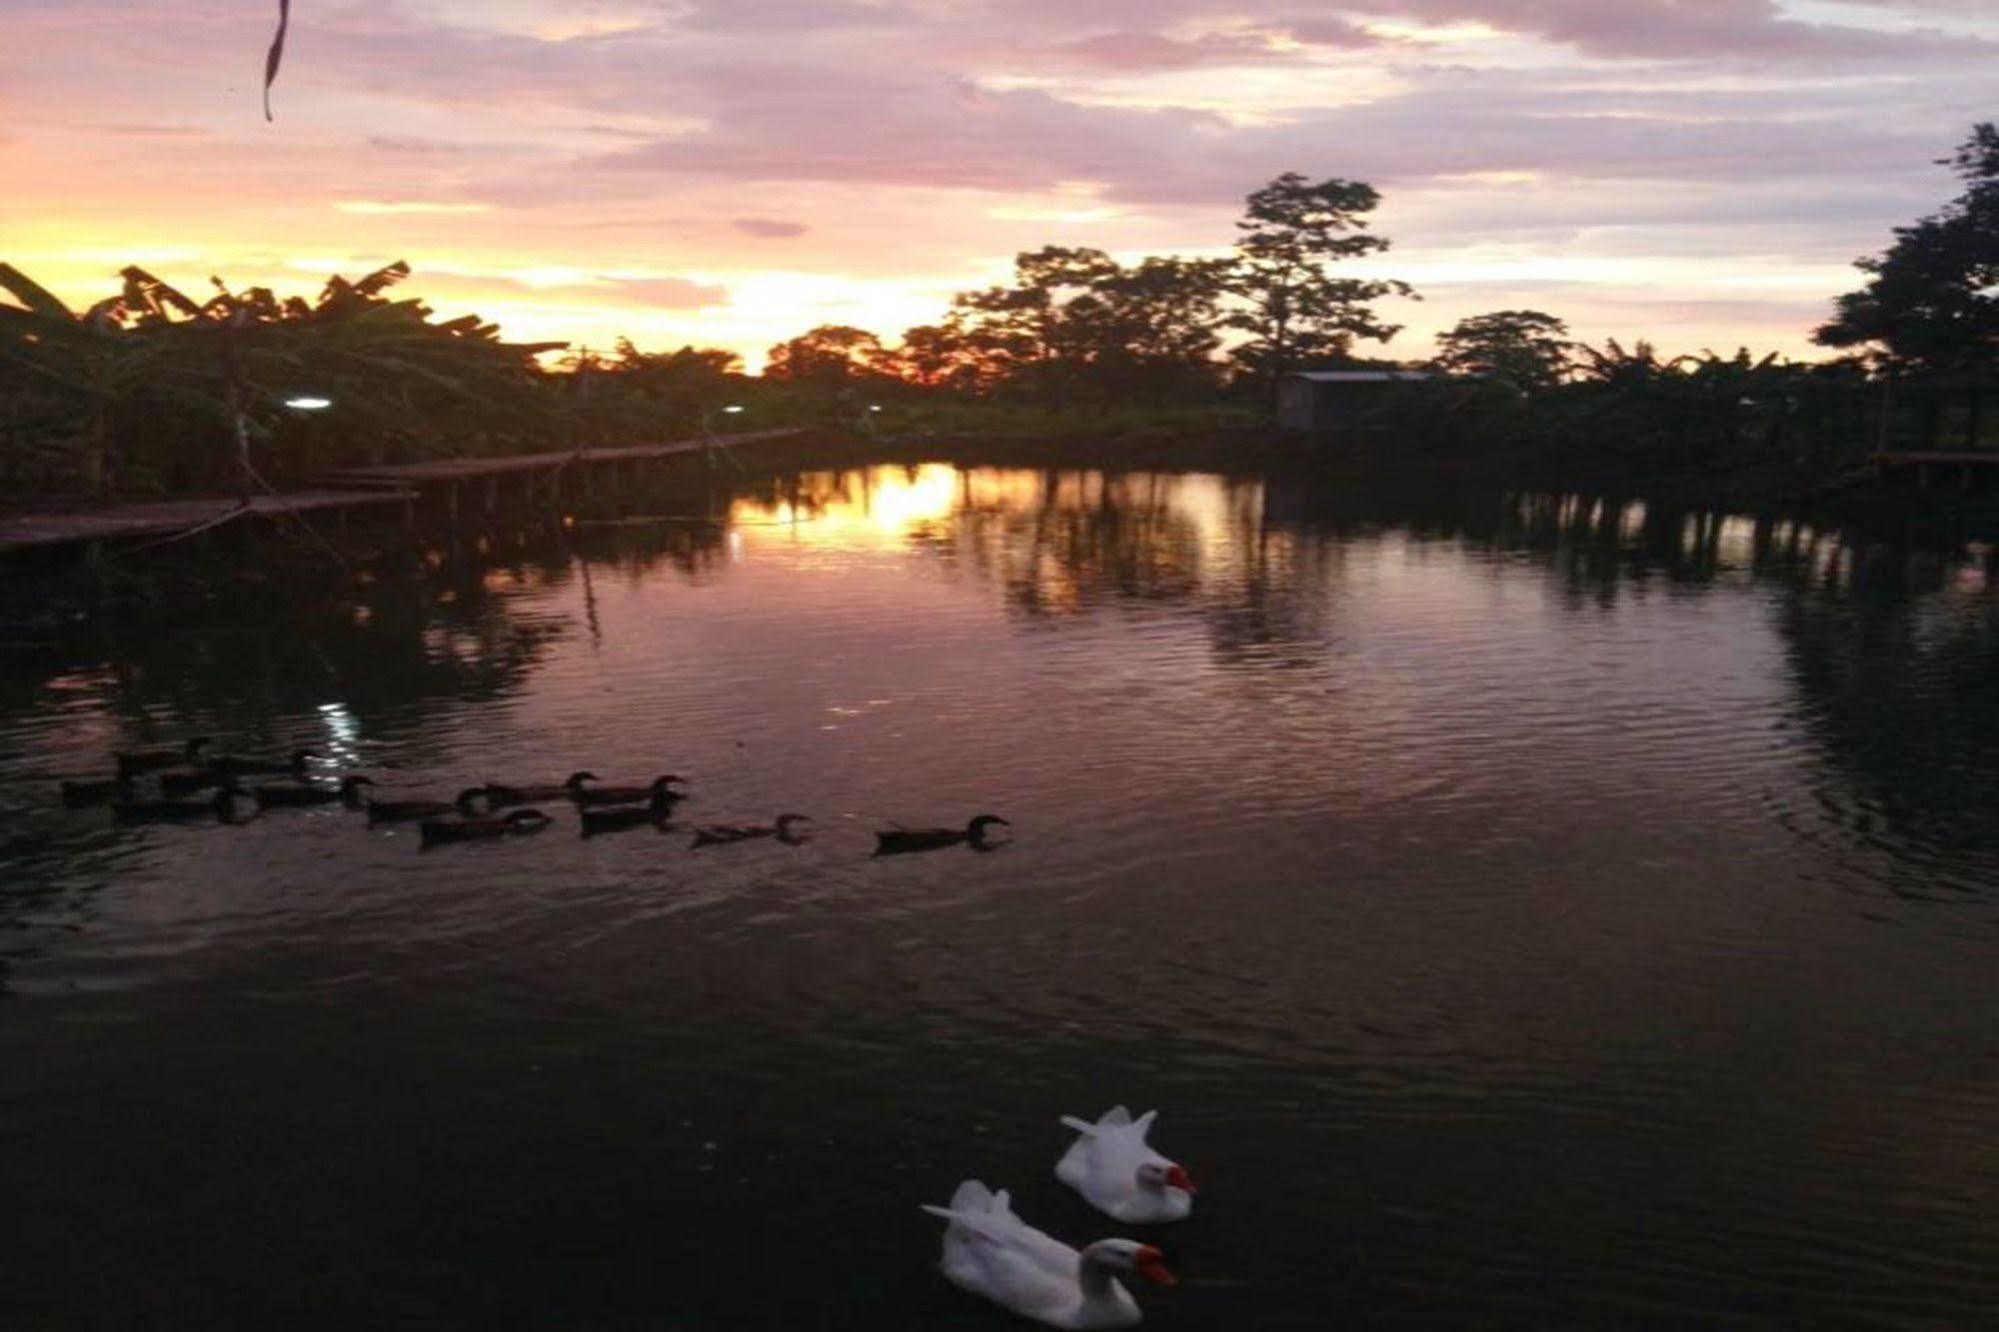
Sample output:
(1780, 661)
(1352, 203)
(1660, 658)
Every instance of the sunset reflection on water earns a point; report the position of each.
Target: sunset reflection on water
(1432, 840)
(1055, 538)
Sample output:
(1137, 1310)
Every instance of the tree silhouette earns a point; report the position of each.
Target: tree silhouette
(830, 356)
(1931, 302)
(1293, 310)
(1076, 324)
(1525, 348)
(148, 385)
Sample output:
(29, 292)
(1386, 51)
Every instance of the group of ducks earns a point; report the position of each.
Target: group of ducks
(990, 1251)
(477, 813)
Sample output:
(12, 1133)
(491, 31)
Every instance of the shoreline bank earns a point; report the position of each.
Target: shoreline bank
(1756, 486)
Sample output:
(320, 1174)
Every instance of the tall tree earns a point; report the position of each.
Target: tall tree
(829, 356)
(1293, 309)
(1932, 298)
(1526, 348)
(1078, 324)
(940, 356)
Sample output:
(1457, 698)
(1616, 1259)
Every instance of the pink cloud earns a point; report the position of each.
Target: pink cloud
(1133, 51)
(769, 228)
(1674, 29)
(901, 127)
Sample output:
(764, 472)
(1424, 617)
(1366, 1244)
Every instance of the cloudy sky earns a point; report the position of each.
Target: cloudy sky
(730, 172)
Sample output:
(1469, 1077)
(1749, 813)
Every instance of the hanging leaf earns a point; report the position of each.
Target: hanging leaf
(277, 53)
(31, 294)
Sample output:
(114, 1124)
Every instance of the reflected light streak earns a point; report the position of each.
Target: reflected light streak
(343, 734)
(1178, 530)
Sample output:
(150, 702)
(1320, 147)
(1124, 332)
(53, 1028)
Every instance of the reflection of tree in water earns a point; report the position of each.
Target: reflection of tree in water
(1892, 646)
(248, 648)
(1891, 659)
(1894, 676)
(1280, 597)
(1086, 540)
(245, 649)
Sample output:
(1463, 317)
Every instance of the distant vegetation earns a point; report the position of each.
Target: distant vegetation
(152, 390)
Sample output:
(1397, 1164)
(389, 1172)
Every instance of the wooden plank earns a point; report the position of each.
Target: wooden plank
(112, 522)
(369, 486)
(462, 469)
(1916, 458)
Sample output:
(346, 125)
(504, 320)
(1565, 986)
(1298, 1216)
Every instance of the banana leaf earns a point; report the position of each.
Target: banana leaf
(32, 294)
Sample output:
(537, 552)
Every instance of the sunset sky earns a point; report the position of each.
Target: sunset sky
(730, 172)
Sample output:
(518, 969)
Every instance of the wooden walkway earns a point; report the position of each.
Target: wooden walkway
(163, 518)
(446, 471)
(352, 488)
(1929, 468)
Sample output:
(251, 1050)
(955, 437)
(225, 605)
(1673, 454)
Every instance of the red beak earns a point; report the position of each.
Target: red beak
(1151, 1264)
(1178, 1177)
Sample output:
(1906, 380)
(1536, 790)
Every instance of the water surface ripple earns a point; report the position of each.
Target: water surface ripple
(1524, 909)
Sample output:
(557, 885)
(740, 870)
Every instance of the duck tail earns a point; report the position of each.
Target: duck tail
(1082, 1126)
(972, 1196)
(970, 1223)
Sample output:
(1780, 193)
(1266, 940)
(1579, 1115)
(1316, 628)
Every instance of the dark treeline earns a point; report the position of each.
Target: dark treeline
(153, 390)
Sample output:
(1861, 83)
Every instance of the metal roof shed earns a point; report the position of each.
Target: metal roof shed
(1336, 399)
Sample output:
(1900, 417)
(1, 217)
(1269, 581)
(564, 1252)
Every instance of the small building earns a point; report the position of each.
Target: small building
(1340, 399)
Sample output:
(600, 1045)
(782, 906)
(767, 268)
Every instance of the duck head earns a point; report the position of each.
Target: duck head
(787, 825)
(575, 780)
(350, 790)
(977, 830)
(195, 745)
(660, 784)
(1123, 1255)
(301, 757)
(1172, 1175)
(469, 798)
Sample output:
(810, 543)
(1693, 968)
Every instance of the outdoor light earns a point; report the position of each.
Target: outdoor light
(733, 407)
(874, 406)
(306, 404)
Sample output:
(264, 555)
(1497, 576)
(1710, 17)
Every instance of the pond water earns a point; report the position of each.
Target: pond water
(1523, 910)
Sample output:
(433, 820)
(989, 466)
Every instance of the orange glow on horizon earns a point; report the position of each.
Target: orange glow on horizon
(622, 173)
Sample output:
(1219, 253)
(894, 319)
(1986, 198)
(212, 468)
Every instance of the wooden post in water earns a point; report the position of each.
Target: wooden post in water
(451, 502)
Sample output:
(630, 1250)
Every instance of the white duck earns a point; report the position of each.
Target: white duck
(991, 1252)
(1112, 1166)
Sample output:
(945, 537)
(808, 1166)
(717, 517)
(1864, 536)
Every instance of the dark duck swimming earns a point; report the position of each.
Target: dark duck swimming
(976, 834)
(619, 817)
(659, 792)
(225, 806)
(502, 794)
(253, 765)
(404, 811)
(486, 829)
(278, 796)
(785, 830)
